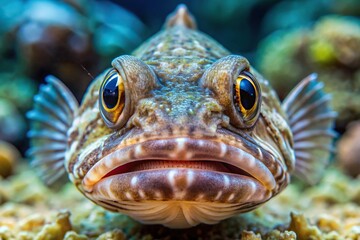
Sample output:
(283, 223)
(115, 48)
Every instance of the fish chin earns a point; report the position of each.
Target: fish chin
(179, 198)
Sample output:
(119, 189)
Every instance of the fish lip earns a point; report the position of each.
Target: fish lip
(184, 185)
(185, 148)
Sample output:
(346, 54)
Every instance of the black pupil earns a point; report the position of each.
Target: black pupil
(247, 94)
(111, 92)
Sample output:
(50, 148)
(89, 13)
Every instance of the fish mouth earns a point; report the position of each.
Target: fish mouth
(180, 169)
(150, 164)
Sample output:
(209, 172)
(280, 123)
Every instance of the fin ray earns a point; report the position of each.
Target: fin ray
(309, 109)
(311, 120)
(45, 119)
(313, 133)
(302, 101)
(72, 104)
(45, 134)
(298, 126)
(51, 147)
(52, 109)
(53, 113)
(45, 159)
(311, 145)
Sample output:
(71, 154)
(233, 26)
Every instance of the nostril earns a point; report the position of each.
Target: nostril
(210, 112)
(165, 107)
(212, 106)
(191, 111)
(151, 113)
(225, 121)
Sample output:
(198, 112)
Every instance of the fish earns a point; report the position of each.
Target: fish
(181, 132)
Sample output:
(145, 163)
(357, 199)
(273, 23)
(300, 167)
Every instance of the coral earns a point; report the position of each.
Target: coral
(9, 155)
(298, 213)
(248, 235)
(71, 235)
(331, 48)
(114, 234)
(57, 229)
(277, 235)
(301, 226)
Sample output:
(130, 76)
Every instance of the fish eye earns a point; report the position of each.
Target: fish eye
(112, 97)
(246, 97)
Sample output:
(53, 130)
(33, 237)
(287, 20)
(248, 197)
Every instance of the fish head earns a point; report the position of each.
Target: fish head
(180, 135)
(181, 132)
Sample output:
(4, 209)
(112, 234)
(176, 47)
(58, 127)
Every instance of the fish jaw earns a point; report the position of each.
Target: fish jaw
(177, 194)
(181, 174)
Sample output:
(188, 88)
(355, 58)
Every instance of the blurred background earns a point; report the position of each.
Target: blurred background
(75, 40)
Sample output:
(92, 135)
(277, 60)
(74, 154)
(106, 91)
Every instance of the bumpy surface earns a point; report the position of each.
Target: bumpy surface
(331, 49)
(330, 210)
(165, 158)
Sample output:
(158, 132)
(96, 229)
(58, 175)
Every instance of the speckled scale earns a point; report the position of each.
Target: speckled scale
(180, 54)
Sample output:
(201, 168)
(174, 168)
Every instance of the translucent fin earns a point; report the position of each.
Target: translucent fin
(311, 120)
(54, 110)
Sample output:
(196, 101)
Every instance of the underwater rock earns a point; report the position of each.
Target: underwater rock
(295, 13)
(49, 44)
(317, 217)
(287, 14)
(328, 223)
(349, 7)
(114, 234)
(56, 230)
(32, 222)
(277, 235)
(72, 235)
(303, 229)
(68, 39)
(22, 90)
(16, 94)
(9, 156)
(349, 150)
(13, 126)
(18, 189)
(335, 188)
(249, 235)
(3, 196)
(330, 48)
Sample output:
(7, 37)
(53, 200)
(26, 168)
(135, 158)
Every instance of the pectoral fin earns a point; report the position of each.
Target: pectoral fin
(54, 110)
(311, 120)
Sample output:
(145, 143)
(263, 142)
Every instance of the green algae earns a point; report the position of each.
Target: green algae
(330, 48)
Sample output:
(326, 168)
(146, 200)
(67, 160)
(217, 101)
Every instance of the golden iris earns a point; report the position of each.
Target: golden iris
(246, 95)
(112, 96)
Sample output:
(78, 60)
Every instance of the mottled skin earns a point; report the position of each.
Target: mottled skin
(180, 108)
